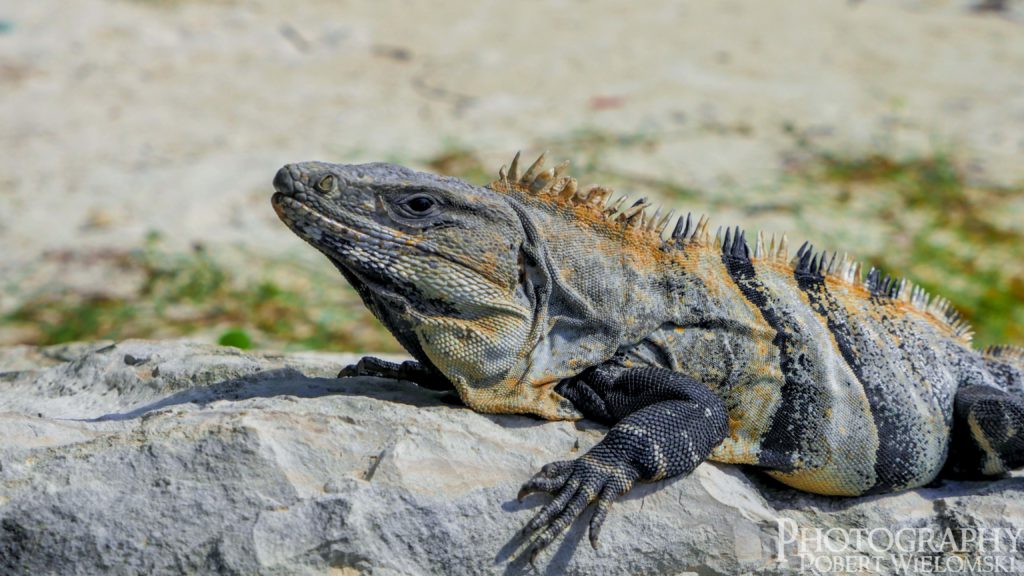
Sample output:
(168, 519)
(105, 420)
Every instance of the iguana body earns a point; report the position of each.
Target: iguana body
(531, 296)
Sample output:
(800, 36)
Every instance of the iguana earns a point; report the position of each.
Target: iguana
(532, 295)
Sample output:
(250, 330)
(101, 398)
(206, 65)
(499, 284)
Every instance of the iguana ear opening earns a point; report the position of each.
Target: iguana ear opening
(521, 262)
(529, 280)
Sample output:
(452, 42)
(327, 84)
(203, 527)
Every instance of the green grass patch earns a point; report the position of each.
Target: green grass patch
(185, 294)
(236, 338)
(943, 232)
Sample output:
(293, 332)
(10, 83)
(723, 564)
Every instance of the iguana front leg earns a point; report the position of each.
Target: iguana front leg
(410, 371)
(665, 424)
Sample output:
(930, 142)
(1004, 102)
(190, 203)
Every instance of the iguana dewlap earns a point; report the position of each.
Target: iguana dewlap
(532, 296)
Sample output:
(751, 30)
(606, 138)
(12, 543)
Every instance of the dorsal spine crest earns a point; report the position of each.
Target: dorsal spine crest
(556, 187)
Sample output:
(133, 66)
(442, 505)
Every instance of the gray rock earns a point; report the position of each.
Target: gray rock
(168, 457)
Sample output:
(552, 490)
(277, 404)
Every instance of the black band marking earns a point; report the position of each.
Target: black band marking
(790, 439)
(898, 454)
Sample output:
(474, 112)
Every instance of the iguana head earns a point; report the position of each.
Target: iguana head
(437, 260)
(502, 292)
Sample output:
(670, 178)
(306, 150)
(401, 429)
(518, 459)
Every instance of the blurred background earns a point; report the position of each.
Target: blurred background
(138, 140)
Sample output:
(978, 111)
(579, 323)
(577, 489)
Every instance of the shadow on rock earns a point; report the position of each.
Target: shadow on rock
(288, 382)
(518, 550)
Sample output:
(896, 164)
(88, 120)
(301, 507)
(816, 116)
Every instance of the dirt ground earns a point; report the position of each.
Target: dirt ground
(124, 121)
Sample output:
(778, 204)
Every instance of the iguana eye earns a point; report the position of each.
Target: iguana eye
(416, 208)
(420, 204)
(326, 184)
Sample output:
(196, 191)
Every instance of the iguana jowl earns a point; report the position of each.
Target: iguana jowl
(533, 296)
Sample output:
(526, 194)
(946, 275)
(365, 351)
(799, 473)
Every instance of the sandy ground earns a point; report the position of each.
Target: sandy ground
(123, 117)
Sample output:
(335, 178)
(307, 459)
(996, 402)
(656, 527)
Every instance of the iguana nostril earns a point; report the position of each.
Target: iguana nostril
(283, 181)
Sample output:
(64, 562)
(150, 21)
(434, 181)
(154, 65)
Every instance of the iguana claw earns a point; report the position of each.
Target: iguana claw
(597, 477)
(410, 371)
(370, 366)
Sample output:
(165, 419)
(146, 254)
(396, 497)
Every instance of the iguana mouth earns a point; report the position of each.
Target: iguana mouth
(387, 301)
(288, 208)
(293, 211)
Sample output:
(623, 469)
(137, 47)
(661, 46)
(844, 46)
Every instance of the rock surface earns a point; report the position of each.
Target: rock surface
(165, 457)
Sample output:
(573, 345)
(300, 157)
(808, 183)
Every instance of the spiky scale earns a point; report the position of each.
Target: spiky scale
(663, 223)
(802, 260)
(513, 169)
(806, 246)
(871, 282)
(600, 196)
(886, 289)
(561, 168)
(740, 250)
(534, 168)
(783, 253)
(804, 265)
(650, 224)
(679, 230)
(541, 182)
(702, 230)
(569, 190)
(1005, 352)
(698, 228)
(811, 266)
(631, 212)
(614, 206)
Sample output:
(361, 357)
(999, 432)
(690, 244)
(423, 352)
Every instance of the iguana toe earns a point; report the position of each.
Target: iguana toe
(410, 371)
(370, 366)
(576, 484)
(550, 478)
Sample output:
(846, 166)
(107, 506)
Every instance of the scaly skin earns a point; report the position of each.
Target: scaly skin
(531, 296)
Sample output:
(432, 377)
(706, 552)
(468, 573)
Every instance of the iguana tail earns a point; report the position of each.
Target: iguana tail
(987, 438)
(1006, 364)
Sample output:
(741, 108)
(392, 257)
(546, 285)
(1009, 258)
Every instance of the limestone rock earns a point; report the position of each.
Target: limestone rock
(167, 457)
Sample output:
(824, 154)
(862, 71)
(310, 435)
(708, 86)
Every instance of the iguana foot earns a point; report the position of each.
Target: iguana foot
(665, 425)
(410, 371)
(597, 476)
